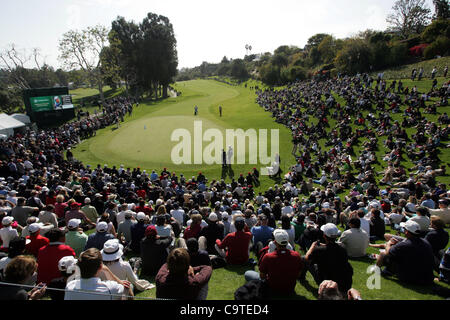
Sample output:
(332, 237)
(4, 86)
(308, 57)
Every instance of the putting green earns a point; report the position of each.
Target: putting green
(145, 139)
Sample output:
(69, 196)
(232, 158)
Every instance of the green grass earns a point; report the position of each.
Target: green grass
(144, 139)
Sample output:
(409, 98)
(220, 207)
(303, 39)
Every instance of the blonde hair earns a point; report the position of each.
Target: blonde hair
(161, 210)
(60, 198)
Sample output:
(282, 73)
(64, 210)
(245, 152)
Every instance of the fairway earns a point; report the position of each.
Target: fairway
(145, 139)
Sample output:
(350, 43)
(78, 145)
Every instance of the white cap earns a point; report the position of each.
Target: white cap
(225, 215)
(375, 204)
(326, 205)
(66, 262)
(281, 237)
(140, 216)
(7, 220)
(213, 217)
(34, 227)
(112, 250)
(73, 223)
(87, 200)
(411, 226)
(102, 226)
(330, 230)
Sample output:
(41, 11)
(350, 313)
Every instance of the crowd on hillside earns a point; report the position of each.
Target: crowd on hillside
(177, 230)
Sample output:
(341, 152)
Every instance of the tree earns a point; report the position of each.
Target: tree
(408, 17)
(441, 9)
(123, 38)
(352, 58)
(238, 69)
(82, 49)
(157, 53)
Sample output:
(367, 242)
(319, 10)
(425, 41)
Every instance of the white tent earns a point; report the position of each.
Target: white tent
(8, 124)
(21, 117)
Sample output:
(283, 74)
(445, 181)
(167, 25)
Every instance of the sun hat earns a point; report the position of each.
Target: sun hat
(281, 237)
(112, 250)
(330, 230)
(411, 226)
(73, 223)
(66, 262)
(102, 227)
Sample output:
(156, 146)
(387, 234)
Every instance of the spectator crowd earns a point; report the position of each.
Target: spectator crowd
(76, 232)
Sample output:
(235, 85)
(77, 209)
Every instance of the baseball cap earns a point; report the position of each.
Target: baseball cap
(102, 226)
(66, 262)
(34, 227)
(225, 215)
(411, 226)
(330, 230)
(213, 217)
(281, 237)
(75, 204)
(140, 216)
(73, 223)
(7, 220)
(326, 205)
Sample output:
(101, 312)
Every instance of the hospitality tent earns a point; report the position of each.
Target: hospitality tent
(8, 124)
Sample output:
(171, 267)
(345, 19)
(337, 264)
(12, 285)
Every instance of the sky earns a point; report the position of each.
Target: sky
(206, 30)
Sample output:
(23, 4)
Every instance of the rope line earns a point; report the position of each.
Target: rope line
(82, 291)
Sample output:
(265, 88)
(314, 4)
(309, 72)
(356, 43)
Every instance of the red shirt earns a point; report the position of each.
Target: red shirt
(147, 210)
(59, 209)
(141, 193)
(282, 268)
(237, 244)
(37, 242)
(192, 232)
(48, 258)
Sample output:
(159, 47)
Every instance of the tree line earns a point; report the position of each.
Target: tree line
(142, 56)
(413, 34)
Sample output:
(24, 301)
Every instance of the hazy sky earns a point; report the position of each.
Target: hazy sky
(205, 30)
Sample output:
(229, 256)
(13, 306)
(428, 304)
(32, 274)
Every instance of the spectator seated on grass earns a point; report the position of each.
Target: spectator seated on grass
(411, 259)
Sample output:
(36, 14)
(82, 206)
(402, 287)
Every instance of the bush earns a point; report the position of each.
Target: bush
(417, 51)
(439, 47)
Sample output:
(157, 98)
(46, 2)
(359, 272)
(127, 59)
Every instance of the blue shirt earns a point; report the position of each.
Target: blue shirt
(97, 240)
(262, 233)
(428, 203)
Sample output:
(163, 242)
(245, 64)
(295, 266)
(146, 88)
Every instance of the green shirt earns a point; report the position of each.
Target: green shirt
(76, 241)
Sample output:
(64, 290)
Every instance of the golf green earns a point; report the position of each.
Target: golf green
(149, 138)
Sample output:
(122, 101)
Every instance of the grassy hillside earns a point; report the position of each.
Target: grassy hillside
(404, 72)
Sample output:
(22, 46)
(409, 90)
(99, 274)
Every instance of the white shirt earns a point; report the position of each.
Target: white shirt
(120, 217)
(122, 270)
(178, 215)
(7, 234)
(365, 225)
(287, 210)
(107, 288)
(202, 224)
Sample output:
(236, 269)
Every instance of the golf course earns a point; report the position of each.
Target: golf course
(144, 139)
